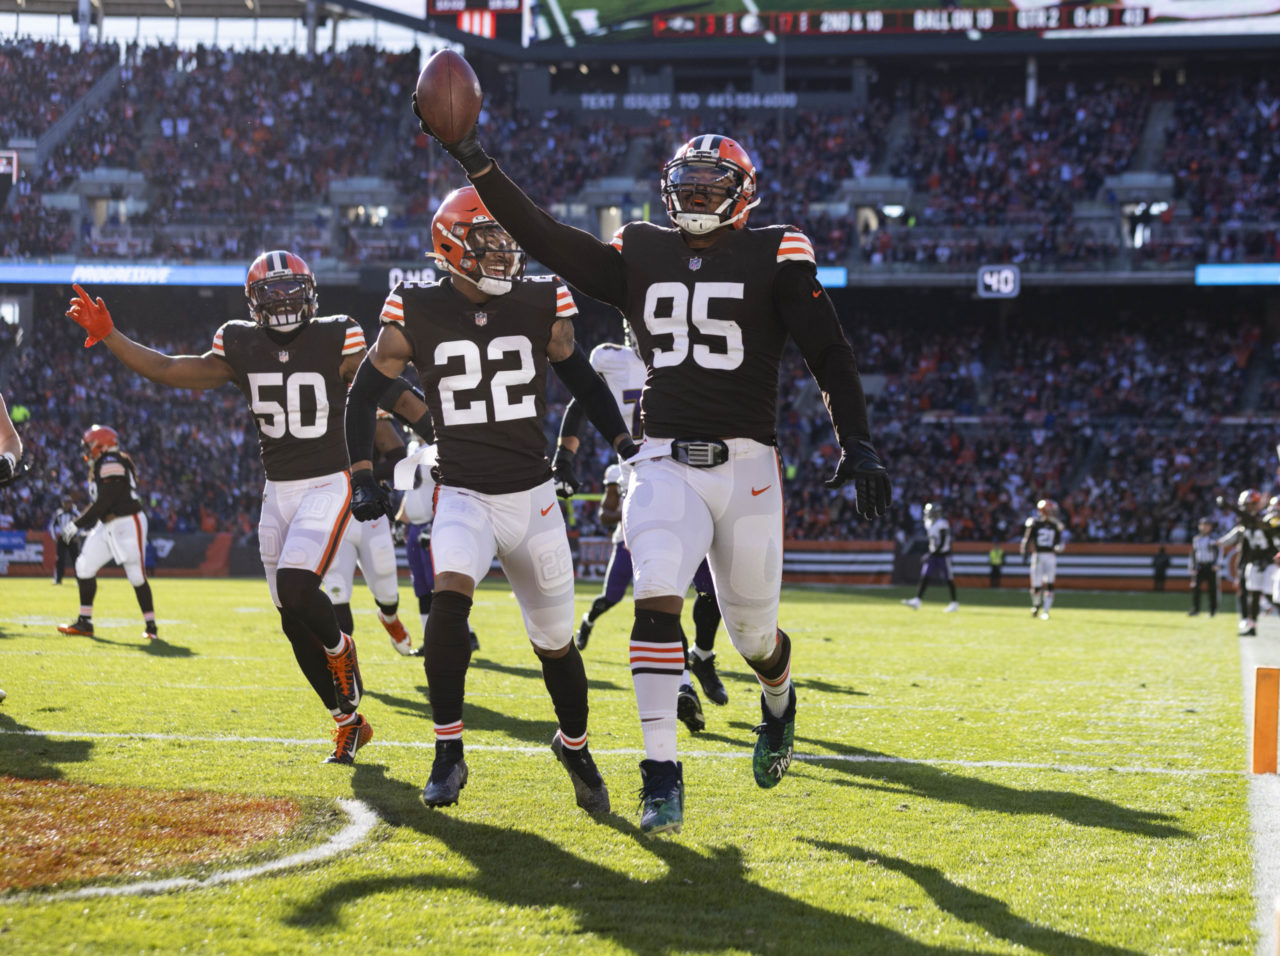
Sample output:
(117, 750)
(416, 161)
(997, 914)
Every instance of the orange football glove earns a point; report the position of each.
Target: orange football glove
(91, 316)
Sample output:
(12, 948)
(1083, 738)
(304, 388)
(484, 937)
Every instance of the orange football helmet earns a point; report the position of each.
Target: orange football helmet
(1047, 508)
(709, 183)
(471, 244)
(98, 439)
(1250, 501)
(281, 290)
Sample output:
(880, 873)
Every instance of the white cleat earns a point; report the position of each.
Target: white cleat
(913, 603)
(1044, 615)
(951, 608)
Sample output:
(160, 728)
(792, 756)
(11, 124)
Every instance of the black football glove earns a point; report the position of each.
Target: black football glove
(467, 151)
(424, 539)
(368, 501)
(860, 464)
(567, 483)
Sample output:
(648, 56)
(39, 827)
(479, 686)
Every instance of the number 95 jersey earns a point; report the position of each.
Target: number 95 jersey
(483, 369)
(295, 391)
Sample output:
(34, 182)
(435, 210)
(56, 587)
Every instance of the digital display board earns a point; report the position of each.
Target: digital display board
(445, 7)
(575, 21)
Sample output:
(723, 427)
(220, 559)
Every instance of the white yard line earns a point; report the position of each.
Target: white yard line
(625, 751)
(361, 819)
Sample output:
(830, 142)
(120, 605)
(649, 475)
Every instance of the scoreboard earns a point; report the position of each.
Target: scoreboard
(931, 21)
(446, 7)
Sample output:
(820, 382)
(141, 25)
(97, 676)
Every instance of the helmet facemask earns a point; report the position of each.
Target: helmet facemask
(701, 196)
(282, 303)
(487, 256)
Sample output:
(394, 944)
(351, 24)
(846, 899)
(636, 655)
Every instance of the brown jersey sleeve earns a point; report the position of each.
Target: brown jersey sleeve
(807, 312)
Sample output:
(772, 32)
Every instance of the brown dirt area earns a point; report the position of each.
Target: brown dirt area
(52, 831)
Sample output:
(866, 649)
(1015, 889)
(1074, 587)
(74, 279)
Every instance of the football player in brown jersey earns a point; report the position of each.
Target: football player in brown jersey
(711, 304)
(117, 528)
(293, 367)
(482, 339)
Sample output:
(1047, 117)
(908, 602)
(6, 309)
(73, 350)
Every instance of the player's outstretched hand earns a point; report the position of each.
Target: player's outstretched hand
(562, 473)
(467, 151)
(368, 503)
(91, 316)
(860, 464)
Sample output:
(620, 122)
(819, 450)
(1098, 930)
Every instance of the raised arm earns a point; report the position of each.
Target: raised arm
(182, 371)
(582, 260)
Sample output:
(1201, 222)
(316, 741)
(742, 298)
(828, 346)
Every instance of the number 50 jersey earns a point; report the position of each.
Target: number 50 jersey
(483, 370)
(295, 390)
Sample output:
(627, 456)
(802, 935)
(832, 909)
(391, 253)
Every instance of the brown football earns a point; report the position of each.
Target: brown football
(449, 96)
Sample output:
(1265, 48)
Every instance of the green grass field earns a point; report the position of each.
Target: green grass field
(977, 782)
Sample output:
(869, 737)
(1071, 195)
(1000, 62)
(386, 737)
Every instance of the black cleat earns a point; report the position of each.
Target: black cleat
(588, 786)
(475, 642)
(80, 627)
(150, 632)
(661, 797)
(689, 709)
(705, 671)
(348, 739)
(448, 775)
(584, 633)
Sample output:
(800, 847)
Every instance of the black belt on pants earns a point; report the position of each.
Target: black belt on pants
(699, 452)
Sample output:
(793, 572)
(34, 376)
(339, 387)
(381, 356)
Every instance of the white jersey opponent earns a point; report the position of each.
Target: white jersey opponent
(624, 372)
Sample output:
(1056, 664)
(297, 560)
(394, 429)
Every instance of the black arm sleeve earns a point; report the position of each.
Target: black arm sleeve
(362, 410)
(590, 390)
(582, 260)
(811, 320)
(571, 424)
(111, 492)
(384, 468)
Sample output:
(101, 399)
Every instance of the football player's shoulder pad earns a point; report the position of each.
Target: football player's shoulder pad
(1030, 522)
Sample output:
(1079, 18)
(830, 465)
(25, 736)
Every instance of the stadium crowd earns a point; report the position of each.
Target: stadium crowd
(223, 136)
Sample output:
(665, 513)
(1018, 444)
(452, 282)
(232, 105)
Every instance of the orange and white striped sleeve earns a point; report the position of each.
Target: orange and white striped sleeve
(566, 308)
(354, 341)
(392, 310)
(796, 247)
(616, 241)
(218, 348)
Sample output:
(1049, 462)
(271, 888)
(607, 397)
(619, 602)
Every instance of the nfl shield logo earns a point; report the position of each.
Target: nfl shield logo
(695, 263)
(482, 318)
(283, 356)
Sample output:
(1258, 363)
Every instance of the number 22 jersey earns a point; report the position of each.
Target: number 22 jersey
(295, 389)
(483, 369)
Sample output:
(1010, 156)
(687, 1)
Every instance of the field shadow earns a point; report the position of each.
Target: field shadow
(989, 913)
(26, 752)
(704, 901)
(825, 687)
(535, 673)
(883, 772)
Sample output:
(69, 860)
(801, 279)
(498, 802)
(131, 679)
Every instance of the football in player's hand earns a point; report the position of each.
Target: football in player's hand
(449, 96)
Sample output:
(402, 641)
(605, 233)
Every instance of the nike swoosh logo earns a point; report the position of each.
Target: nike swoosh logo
(756, 494)
(548, 508)
(817, 292)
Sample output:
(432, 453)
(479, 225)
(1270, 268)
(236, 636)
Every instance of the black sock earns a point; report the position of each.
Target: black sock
(342, 614)
(447, 654)
(598, 607)
(779, 667)
(388, 610)
(424, 603)
(301, 593)
(88, 590)
(566, 681)
(310, 655)
(706, 620)
(924, 584)
(952, 585)
(144, 598)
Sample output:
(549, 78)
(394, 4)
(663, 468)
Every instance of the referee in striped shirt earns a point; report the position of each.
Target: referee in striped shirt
(1204, 558)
